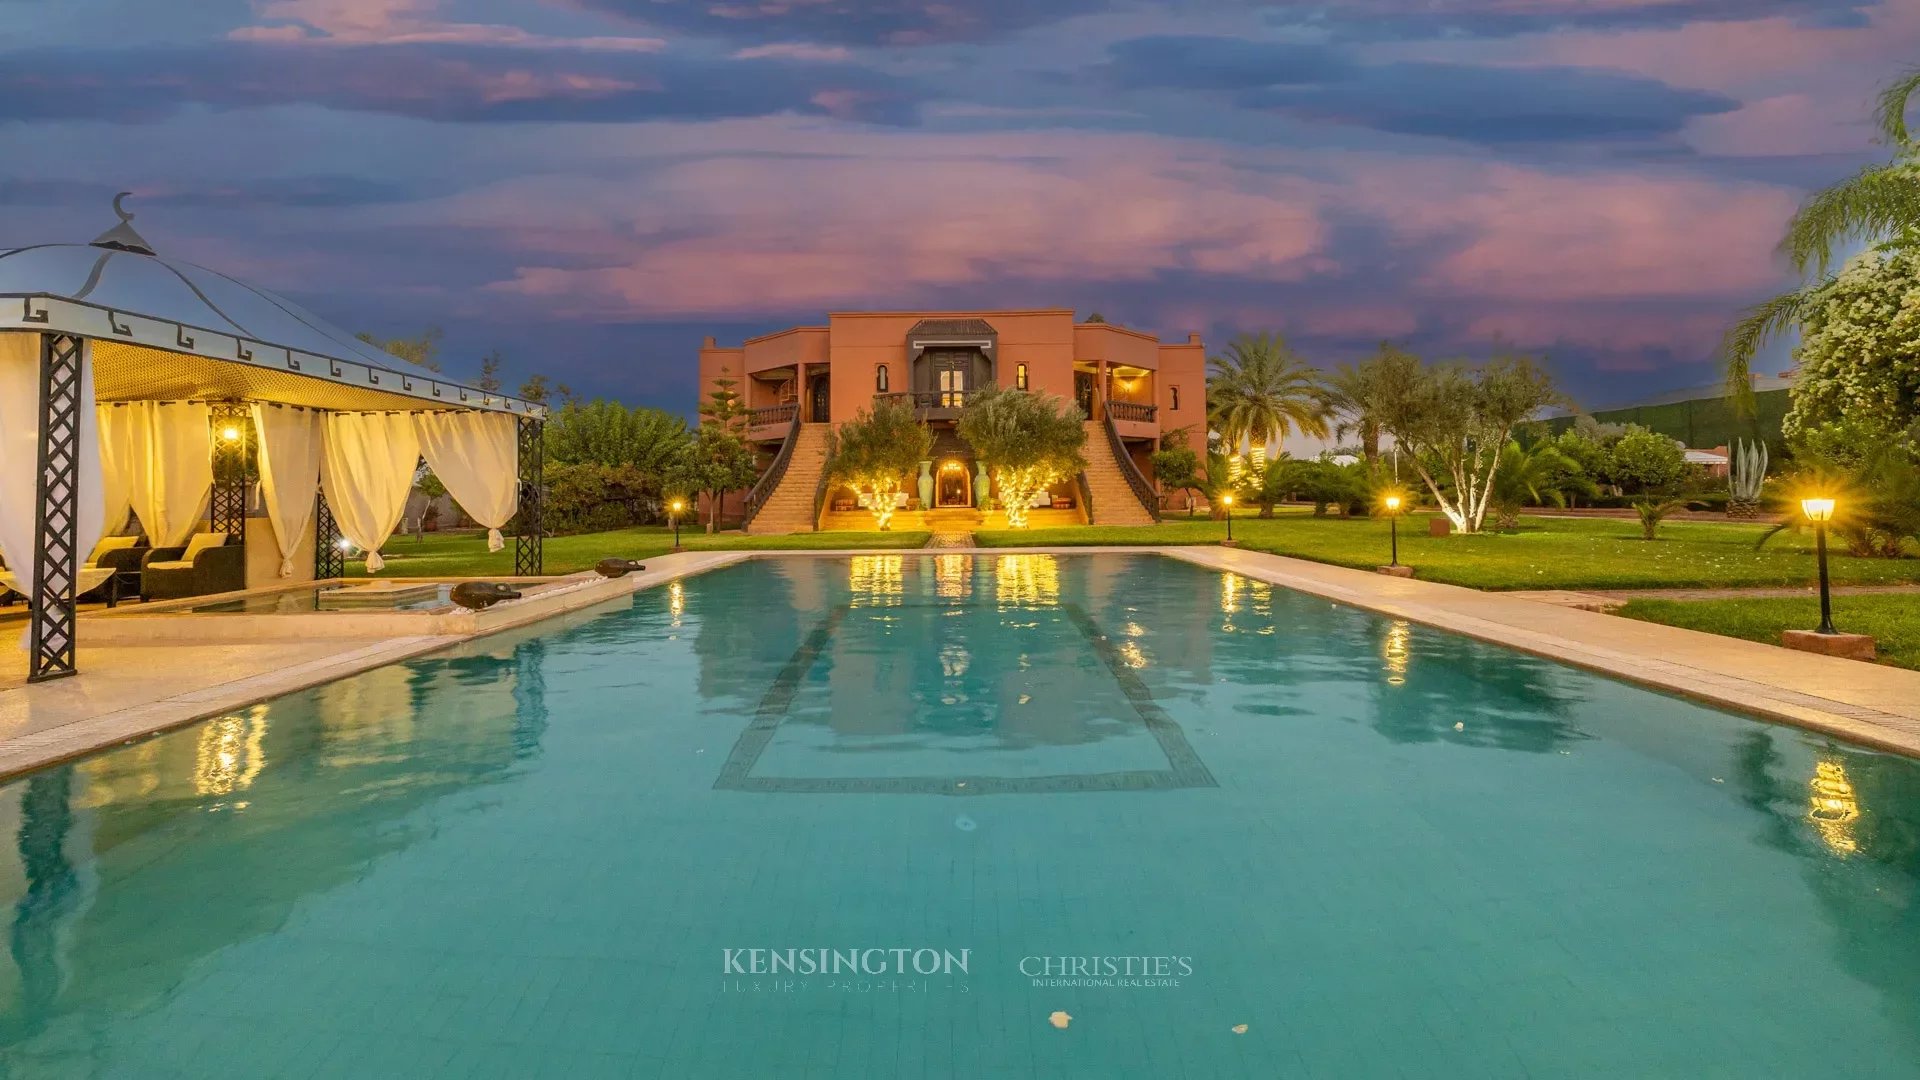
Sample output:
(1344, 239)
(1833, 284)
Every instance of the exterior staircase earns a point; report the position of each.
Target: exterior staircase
(1114, 503)
(790, 509)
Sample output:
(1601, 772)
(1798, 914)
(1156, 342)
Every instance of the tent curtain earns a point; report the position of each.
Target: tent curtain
(172, 474)
(366, 470)
(20, 456)
(476, 455)
(290, 451)
(118, 430)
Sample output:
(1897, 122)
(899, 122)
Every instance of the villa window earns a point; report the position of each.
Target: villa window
(1020, 376)
(1174, 403)
(880, 379)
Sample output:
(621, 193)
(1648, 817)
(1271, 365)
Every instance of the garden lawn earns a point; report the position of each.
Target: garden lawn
(1892, 620)
(466, 554)
(1546, 553)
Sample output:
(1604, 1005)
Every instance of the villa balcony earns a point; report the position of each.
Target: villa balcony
(1135, 419)
(933, 404)
(769, 423)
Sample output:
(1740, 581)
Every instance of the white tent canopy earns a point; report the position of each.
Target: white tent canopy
(168, 351)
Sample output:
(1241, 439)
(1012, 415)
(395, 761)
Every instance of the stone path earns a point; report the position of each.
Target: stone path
(950, 540)
(1609, 599)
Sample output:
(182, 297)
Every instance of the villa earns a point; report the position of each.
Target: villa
(1134, 389)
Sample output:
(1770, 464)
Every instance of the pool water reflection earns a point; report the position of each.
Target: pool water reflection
(1382, 849)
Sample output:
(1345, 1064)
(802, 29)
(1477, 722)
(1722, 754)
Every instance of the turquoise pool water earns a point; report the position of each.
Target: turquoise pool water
(1384, 850)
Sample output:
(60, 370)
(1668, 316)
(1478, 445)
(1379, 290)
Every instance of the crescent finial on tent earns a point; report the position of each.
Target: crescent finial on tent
(122, 237)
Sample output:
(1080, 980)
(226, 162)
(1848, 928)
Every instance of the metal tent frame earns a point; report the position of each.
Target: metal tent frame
(220, 340)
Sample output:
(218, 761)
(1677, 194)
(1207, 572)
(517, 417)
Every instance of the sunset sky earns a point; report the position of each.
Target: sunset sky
(592, 185)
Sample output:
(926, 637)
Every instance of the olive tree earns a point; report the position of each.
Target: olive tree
(1453, 421)
(1027, 441)
(875, 452)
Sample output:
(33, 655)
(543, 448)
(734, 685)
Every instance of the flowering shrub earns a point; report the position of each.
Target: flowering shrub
(1859, 349)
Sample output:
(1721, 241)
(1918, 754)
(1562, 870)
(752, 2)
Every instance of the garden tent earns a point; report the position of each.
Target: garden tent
(132, 381)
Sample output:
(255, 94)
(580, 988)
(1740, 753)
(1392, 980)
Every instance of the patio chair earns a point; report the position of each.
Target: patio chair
(123, 555)
(208, 564)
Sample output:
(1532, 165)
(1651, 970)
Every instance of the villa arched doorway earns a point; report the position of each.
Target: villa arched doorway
(953, 486)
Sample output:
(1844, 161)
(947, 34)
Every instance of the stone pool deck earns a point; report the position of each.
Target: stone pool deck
(141, 673)
(146, 683)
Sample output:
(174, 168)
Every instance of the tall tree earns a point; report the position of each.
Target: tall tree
(1028, 441)
(726, 406)
(1353, 401)
(423, 350)
(490, 371)
(1259, 391)
(1879, 203)
(716, 463)
(876, 451)
(1454, 421)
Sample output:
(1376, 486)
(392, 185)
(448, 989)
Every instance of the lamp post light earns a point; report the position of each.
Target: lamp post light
(677, 506)
(1820, 511)
(1227, 501)
(1393, 527)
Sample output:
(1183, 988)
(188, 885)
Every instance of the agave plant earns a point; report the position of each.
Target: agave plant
(1746, 475)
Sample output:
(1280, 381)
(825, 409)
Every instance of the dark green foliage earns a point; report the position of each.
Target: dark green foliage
(591, 496)
(1176, 467)
(1642, 462)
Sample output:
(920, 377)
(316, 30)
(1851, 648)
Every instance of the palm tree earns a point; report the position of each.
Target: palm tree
(1880, 202)
(1530, 476)
(1260, 391)
(1351, 394)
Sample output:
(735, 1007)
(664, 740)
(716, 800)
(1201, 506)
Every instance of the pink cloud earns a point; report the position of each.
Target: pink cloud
(920, 215)
(1544, 236)
(1785, 125)
(754, 218)
(405, 22)
(795, 50)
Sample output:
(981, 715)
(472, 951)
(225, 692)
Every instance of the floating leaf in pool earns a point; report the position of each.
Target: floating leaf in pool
(1458, 726)
(1239, 1029)
(1060, 1020)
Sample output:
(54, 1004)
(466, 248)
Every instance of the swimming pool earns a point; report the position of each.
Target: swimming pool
(1155, 801)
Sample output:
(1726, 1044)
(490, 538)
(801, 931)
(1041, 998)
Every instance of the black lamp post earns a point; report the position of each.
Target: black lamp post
(1393, 527)
(1820, 511)
(677, 507)
(1227, 501)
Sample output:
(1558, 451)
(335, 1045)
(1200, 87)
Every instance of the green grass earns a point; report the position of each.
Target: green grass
(1893, 621)
(466, 554)
(1546, 553)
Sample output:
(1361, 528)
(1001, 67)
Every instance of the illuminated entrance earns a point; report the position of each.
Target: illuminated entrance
(954, 486)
